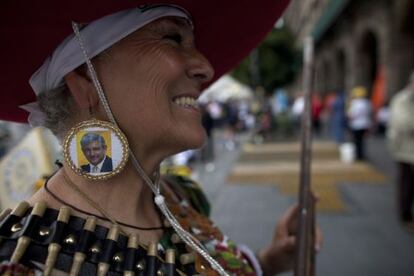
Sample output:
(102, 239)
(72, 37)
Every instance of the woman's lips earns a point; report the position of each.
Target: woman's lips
(186, 102)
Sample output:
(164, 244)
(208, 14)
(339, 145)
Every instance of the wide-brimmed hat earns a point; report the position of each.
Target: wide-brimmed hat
(225, 32)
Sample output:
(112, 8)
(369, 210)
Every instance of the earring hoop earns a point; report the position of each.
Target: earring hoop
(95, 149)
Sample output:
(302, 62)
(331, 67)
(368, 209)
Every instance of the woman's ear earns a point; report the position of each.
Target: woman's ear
(82, 89)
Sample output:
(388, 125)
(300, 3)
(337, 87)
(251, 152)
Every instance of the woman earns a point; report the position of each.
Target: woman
(360, 119)
(139, 93)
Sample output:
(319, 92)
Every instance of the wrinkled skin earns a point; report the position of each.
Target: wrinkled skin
(143, 73)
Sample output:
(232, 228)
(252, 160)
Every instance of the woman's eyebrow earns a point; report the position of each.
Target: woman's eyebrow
(180, 23)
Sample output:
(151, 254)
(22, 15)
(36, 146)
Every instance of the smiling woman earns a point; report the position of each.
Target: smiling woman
(146, 75)
(121, 94)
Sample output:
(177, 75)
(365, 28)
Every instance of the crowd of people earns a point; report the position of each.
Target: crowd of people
(340, 116)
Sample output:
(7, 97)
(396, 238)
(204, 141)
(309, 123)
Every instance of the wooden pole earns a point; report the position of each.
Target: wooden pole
(305, 257)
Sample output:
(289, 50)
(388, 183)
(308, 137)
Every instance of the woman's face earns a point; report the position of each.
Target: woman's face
(152, 79)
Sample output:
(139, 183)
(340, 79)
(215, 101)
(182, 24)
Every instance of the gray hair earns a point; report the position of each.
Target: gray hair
(58, 107)
(92, 137)
(58, 104)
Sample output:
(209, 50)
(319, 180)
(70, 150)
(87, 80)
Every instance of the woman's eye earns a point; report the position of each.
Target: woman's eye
(174, 37)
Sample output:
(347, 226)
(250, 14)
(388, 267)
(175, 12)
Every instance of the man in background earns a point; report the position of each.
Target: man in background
(360, 119)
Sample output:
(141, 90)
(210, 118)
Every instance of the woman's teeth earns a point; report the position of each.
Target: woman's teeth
(186, 102)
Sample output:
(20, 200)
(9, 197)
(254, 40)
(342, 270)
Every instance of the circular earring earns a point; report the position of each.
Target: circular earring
(96, 149)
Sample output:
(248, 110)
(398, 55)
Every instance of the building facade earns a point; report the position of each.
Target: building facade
(357, 42)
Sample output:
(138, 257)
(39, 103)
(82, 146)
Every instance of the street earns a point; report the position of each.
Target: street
(361, 238)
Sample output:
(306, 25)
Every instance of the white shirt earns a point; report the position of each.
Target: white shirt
(359, 114)
(99, 166)
(298, 106)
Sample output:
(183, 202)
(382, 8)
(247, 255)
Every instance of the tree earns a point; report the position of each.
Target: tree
(278, 62)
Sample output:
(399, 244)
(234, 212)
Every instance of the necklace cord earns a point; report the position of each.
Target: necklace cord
(60, 200)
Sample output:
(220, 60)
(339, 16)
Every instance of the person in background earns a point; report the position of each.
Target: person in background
(297, 109)
(338, 118)
(317, 108)
(360, 118)
(230, 124)
(400, 135)
(207, 152)
(382, 118)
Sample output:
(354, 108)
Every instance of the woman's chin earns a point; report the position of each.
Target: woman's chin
(195, 140)
(197, 145)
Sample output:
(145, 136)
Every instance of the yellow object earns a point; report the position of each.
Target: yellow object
(359, 92)
(23, 168)
(39, 184)
(279, 164)
(179, 170)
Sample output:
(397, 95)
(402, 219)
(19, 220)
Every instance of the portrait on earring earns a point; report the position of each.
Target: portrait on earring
(96, 151)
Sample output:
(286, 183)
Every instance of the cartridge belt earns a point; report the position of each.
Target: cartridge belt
(72, 237)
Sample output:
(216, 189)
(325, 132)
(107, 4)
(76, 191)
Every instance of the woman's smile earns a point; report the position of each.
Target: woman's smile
(153, 80)
(187, 102)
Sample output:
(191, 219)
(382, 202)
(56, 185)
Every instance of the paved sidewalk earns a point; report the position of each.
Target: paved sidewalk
(279, 164)
(363, 239)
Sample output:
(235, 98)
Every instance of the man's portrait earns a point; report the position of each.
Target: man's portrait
(94, 149)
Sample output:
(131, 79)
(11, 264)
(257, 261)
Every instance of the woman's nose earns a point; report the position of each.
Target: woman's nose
(199, 67)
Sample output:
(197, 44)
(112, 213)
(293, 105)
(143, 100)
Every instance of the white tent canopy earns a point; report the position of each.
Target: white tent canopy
(226, 88)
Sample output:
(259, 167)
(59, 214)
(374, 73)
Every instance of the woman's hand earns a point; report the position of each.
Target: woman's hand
(279, 255)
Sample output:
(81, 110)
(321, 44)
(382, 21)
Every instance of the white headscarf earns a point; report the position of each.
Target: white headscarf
(97, 37)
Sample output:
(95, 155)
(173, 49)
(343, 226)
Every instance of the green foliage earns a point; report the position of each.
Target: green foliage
(278, 62)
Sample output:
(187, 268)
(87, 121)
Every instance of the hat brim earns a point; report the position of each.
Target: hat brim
(225, 32)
